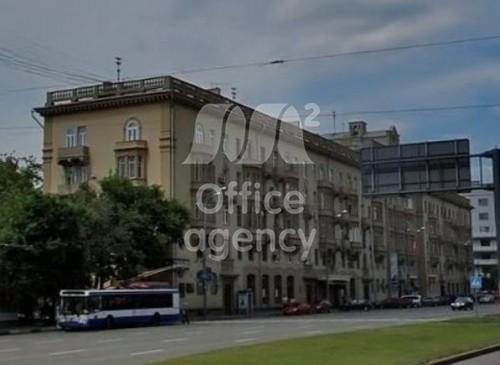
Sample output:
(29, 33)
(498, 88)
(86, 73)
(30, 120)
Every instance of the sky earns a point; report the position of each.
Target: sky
(161, 37)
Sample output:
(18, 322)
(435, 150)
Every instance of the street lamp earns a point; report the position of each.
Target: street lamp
(210, 194)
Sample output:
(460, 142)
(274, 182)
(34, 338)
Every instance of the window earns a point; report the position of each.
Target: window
(132, 132)
(278, 289)
(484, 229)
(75, 175)
(81, 133)
(130, 167)
(211, 137)
(70, 138)
(485, 243)
(263, 154)
(482, 202)
(484, 216)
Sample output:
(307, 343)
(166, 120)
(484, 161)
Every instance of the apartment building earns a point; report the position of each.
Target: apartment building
(484, 236)
(144, 130)
(148, 131)
(428, 236)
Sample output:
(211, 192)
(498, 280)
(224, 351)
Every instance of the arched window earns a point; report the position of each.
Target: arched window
(199, 136)
(132, 130)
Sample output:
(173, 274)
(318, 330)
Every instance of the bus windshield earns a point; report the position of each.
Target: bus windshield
(74, 305)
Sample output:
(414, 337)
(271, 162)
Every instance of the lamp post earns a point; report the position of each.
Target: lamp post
(338, 215)
(210, 194)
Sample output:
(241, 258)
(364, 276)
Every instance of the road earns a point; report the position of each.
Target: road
(490, 359)
(136, 346)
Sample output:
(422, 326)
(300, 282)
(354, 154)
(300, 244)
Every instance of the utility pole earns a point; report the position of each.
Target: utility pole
(334, 119)
(495, 158)
(118, 62)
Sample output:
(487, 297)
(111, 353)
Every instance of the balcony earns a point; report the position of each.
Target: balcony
(138, 145)
(69, 156)
(326, 184)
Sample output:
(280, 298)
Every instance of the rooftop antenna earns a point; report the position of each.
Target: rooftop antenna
(118, 62)
(334, 119)
(233, 93)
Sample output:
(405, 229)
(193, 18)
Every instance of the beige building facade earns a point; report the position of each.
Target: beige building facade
(144, 130)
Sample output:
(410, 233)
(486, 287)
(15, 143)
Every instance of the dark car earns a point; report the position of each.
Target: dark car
(393, 303)
(462, 303)
(296, 308)
(431, 301)
(323, 306)
(357, 304)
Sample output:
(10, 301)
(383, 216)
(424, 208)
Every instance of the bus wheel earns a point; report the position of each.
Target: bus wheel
(156, 319)
(110, 322)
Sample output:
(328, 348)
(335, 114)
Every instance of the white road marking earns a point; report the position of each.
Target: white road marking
(110, 340)
(310, 333)
(305, 327)
(249, 332)
(4, 341)
(242, 340)
(47, 342)
(194, 333)
(255, 328)
(170, 340)
(142, 353)
(67, 352)
(9, 350)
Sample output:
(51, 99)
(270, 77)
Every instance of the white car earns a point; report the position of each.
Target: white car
(415, 300)
(487, 299)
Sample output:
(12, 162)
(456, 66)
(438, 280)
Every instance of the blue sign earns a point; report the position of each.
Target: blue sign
(476, 282)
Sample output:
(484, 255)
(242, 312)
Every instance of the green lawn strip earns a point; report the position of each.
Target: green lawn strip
(404, 345)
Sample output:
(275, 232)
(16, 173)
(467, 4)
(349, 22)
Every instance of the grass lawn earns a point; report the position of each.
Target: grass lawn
(404, 345)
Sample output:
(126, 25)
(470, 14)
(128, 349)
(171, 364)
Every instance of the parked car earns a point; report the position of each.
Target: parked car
(391, 303)
(431, 301)
(357, 304)
(322, 306)
(462, 303)
(413, 300)
(296, 308)
(486, 299)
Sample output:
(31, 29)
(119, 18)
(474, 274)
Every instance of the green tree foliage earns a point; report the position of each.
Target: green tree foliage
(50, 242)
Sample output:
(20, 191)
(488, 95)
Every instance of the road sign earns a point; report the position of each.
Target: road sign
(416, 168)
(476, 282)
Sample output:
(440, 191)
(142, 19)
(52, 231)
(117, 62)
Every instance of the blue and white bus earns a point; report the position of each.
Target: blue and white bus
(94, 309)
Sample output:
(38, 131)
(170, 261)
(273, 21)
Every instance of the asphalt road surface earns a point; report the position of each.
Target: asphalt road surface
(490, 359)
(137, 346)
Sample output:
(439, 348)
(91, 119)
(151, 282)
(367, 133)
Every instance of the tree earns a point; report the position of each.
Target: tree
(50, 242)
(130, 228)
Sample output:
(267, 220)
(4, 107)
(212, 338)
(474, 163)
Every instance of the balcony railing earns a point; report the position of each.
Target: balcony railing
(78, 155)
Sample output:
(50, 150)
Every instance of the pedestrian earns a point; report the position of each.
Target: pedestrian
(185, 316)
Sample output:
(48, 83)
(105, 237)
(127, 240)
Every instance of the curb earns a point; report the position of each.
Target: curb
(26, 331)
(465, 355)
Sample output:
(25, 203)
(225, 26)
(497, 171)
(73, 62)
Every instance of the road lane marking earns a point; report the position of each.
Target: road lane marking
(47, 342)
(142, 353)
(310, 333)
(255, 328)
(194, 333)
(110, 340)
(9, 350)
(170, 340)
(249, 332)
(305, 327)
(69, 352)
(242, 340)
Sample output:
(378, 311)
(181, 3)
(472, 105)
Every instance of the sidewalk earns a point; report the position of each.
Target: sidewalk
(490, 359)
(14, 328)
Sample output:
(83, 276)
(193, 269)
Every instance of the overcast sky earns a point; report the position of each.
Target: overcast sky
(159, 37)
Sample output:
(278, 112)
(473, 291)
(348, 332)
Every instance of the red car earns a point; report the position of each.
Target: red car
(296, 309)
